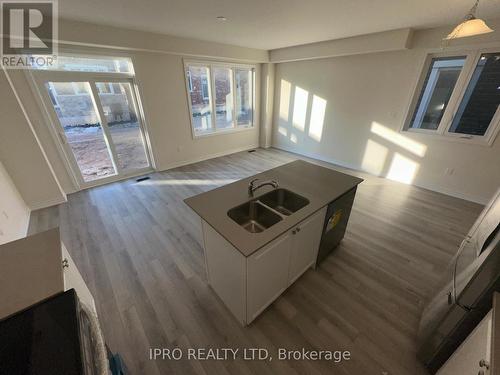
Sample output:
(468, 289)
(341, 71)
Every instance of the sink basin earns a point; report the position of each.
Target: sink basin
(284, 201)
(254, 216)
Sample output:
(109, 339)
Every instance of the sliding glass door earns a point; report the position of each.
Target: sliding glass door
(81, 129)
(119, 107)
(99, 127)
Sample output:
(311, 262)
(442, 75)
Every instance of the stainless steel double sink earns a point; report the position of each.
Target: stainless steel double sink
(263, 212)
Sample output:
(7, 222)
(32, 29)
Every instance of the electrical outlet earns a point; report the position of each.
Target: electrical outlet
(449, 171)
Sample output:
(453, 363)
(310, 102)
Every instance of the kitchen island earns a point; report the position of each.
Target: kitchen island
(256, 245)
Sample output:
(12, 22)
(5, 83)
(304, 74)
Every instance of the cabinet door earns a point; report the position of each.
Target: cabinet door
(475, 348)
(74, 280)
(306, 239)
(267, 275)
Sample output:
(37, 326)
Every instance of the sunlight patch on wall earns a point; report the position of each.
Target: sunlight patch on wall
(285, 91)
(402, 169)
(293, 138)
(300, 108)
(283, 131)
(374, 158)
(400, 140)
(317, 118)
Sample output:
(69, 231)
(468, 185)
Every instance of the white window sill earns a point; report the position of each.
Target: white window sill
(481, 141)
(242, 128)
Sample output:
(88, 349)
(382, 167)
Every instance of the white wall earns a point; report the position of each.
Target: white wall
(21, 154)
(85, 34)
(158, 62)
(164, 98)
(392, 40)
(365, 100)
(267, 104)
(360, 91)
(14, 213)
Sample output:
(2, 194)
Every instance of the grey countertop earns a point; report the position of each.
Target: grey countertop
(318, 184)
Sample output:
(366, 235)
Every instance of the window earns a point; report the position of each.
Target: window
(104, 88)
(244, 96)
(223, 98)
(480, 102)
(220, 97)
(94, 114)
(123, 124)
(201, 106)
(438, 87)
(69, 88)
(78, 63)
(80, 88)
(459, 97)
(190, 83)
(64, 88)
(204, 87)
(117, 88)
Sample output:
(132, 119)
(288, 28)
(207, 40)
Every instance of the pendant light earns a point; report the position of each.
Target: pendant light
(470, 26)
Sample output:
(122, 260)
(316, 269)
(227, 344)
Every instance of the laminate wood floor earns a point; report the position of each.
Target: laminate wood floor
(139, 248)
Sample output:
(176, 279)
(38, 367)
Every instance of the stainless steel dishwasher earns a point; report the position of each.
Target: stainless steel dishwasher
(334, 227)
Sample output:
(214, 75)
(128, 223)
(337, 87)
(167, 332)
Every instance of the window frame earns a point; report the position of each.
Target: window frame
(190, 82)
(443, 131)
(36, 80)
(204, 84)
(210, 65)
(94, 54)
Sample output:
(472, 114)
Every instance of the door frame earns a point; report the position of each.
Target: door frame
(38, 81)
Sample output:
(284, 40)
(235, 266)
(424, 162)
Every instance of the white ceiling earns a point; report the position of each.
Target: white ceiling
(270, 24)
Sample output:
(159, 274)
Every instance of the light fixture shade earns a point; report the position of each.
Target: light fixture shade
(471, 27)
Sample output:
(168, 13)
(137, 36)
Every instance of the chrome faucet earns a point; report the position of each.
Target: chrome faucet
(252, 187)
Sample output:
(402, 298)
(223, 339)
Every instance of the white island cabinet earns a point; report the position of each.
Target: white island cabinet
(247, 285)
(35, 268)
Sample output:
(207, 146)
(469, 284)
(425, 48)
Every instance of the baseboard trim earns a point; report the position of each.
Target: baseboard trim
(52, 202)
(46, 203)
(206, 157)
(320, 158)
(455, 194)
(435, 188)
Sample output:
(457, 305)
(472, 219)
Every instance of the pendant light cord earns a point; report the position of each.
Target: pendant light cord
(472, 12)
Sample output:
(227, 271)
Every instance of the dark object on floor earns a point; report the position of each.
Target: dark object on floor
(57, 336)
(143, 179)
(251, 150)
(335, 224)
(43, 339)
